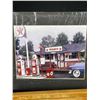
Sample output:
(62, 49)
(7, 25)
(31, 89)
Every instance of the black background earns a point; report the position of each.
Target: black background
(21, 6)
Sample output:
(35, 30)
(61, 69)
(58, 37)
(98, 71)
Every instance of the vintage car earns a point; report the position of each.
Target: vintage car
(77, 70)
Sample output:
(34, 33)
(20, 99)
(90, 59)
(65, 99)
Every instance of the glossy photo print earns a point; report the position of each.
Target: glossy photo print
(50, 51)
(50, 45)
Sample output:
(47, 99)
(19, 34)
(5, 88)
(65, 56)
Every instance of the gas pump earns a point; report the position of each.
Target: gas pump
(34, 68)
(20, 67)
(19, 71)
(35, 65)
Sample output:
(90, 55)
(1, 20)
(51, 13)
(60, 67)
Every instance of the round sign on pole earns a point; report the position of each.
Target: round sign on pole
(20, 31)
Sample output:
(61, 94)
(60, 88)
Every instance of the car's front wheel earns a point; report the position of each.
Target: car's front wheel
(76, 73)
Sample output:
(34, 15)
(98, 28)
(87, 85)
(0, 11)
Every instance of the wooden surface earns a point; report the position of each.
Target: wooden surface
(78, 94)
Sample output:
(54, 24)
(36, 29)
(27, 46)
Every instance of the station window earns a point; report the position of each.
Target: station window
(48, 57)
(73, 55)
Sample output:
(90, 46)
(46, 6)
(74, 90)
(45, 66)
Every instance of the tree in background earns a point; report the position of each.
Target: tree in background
(17, 46)
(30, 46)
(62, 39)
(22, 50)
(48, 41)
(78, 38)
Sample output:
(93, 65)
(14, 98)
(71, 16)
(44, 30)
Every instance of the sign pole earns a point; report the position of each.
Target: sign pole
(21, 32)
(27, 52)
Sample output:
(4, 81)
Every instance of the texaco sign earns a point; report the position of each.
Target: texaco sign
(20, 31)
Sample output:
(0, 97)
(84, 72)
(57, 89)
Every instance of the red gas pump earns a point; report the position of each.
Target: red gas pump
(34, 67)
(20, 67)
(19, 72)
(50, 73)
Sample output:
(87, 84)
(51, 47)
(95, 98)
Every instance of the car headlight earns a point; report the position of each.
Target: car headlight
(70, 71)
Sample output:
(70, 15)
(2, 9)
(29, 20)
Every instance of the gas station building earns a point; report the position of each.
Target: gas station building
(62, 56)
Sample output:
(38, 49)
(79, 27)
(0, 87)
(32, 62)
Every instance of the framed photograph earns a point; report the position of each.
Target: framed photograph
(49, 45)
